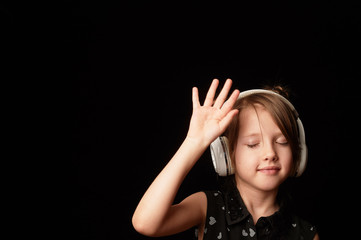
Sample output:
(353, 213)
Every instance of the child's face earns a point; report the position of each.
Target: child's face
(263, 157)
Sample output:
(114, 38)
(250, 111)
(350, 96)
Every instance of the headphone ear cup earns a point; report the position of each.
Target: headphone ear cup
(303, 161)
(304, 151)
(220, 156)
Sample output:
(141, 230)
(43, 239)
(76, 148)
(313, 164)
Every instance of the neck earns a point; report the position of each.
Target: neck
(259, 203)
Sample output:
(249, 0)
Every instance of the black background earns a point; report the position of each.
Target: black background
(133, 64)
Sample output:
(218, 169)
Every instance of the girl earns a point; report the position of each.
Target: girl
(264, 151)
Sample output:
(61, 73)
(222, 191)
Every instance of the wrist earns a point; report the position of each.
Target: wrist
(197, 143)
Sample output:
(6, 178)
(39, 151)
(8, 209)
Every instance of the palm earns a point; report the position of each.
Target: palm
(210, 120)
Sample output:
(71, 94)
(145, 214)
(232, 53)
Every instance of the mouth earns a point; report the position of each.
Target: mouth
(270, 170)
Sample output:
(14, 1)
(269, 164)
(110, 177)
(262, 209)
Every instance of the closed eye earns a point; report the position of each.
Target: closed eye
(252, 145)
(282, 141)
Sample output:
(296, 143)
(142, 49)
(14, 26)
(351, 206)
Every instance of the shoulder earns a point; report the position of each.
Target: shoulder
(196, 203)
(207, 201)
(303, 224)
(207, 197)
(216, 208)
(302, 227)
(214, 205)
(198, 200)
(214, 198)
(213, 195)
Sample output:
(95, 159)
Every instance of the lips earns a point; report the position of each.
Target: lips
(270, 170)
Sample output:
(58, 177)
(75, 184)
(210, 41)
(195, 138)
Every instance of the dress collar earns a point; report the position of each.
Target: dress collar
(236, 210)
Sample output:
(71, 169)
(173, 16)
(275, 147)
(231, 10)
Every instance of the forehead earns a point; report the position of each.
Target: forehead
(255, 119)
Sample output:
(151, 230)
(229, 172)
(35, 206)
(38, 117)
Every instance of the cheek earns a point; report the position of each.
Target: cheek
(286, 159)
(244, 161)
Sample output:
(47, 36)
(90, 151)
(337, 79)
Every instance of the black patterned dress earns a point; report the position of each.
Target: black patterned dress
(229, 219)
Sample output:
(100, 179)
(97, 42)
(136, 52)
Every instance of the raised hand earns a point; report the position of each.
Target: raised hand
(211, 120)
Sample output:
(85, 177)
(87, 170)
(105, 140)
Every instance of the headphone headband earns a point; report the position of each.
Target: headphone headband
(253, 91)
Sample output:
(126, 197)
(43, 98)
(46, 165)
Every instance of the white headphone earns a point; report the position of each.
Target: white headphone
(220, 151)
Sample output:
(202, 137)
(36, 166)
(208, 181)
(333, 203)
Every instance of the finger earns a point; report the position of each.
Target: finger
(195, 97)
(228, 105)
(211, 93)
(223, 94)
(224, 123)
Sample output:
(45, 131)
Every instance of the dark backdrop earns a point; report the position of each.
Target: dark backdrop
(133, 65)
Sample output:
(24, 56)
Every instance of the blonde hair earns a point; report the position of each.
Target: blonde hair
(282, 114)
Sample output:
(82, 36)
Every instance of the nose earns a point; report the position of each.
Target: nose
(270, 153)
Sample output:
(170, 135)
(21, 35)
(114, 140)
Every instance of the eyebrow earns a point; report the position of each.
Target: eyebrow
(259, 134)
(251, 135)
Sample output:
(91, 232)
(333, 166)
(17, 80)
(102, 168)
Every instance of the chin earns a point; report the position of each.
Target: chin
(268, 187)
(262, 183)
(269, 184)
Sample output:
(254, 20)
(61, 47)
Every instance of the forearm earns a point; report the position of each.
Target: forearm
(158, 199)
